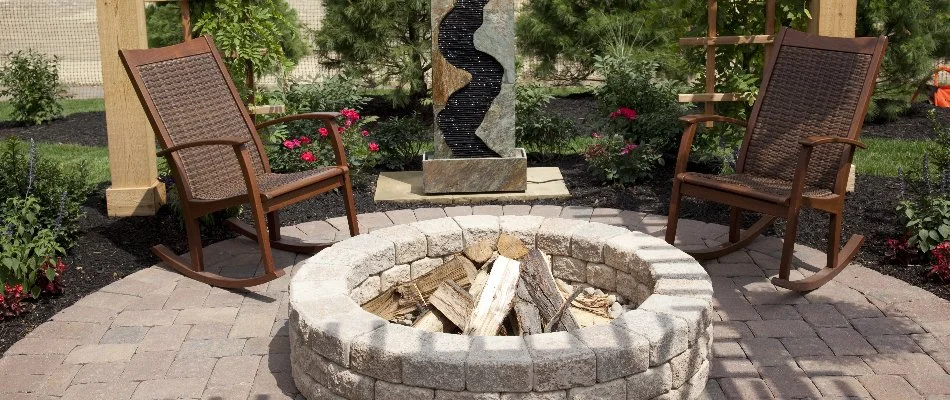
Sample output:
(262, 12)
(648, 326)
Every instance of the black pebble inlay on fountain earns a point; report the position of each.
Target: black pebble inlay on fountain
(465, 109)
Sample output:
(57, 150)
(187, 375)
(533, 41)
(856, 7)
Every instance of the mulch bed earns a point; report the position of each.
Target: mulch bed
(111, 248)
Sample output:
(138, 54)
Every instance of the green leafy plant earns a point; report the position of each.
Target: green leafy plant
(918, 33)
(536, 130)
(927, 221)
(24, 173)
(402, 140)
(333, 93)
(563, 36)
(264, 33)
(635, 84)
(31, 80)
(299, 153)
(939, 150)
(387, 43)
(27, 248)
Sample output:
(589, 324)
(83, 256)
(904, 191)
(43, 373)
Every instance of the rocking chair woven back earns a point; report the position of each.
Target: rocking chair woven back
(190, 97)
(815, 86)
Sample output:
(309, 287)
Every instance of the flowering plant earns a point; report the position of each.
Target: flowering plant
(613, 158)
(301, 151)
(900, 252)
(10, 301)
(27, 250)
(941, 264)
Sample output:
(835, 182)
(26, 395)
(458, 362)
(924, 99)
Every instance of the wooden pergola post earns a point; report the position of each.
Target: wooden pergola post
(135, 187)
(833, 17)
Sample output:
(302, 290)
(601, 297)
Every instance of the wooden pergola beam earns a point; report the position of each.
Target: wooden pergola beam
(833, 17)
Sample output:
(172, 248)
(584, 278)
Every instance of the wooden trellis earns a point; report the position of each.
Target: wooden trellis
(710, 97)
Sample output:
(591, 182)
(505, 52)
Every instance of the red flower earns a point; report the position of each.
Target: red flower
(595, 135)
(350, 114)
(339, 129)
(308, 157)
(629, 147)
(373, 147)
(290, 144)
(323, 132)
(365, 133)
(624, 112)
(304, 140)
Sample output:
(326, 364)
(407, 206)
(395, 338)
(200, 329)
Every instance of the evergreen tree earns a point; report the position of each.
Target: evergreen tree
(564, 36)
(385, 42)
(919, 35)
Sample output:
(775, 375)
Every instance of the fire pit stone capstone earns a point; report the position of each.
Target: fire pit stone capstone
(662, 348)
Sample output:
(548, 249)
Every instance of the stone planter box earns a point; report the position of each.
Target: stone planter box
(662, 348)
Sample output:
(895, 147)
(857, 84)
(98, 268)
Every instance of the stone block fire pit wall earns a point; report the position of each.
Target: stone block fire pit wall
(661, 348)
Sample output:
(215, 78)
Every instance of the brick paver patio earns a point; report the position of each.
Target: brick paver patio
(155, 334)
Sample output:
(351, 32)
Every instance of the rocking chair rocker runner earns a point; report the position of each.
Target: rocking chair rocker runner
(798, 146)
(217, 158)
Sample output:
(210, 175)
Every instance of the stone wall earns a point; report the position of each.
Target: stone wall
(661, 349)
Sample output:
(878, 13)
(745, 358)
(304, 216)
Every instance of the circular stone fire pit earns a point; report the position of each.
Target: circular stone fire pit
(662, 347)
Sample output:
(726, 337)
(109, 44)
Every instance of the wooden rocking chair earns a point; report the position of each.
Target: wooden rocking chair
(797, 150)
(217, 158)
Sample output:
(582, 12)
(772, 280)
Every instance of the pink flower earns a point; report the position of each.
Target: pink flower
(308, 157)
(624, 112)
(365, 133)
(304, 140)
(629, 147)
(290, 144)
(373, 147)
(350, 115)
(595, 135)
(323, 132)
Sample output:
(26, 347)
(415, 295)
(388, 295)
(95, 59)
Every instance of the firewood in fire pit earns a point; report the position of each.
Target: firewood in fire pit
(479, 252)
(496, 299)
(511, 247)
(453, 302)
(544, 292)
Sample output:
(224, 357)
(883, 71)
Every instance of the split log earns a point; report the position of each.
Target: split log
(480, 251)
(586, 318)
(453, 302)
(544, 292)
(478, 284)
(527, 316)
(496, 299)
(412, 295)
(433, 321)
(511, 247)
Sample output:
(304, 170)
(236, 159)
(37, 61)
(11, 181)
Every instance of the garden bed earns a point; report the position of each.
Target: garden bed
(111, 248)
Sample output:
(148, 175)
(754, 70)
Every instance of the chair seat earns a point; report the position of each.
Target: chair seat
(759, 187)
(274, 184)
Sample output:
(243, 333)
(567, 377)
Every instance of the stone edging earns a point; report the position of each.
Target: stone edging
(662, 347)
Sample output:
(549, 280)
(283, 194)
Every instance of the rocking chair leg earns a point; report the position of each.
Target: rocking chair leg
(350, 205)
(263, 237)
(193, 230)
(834, 239)
(788, 245)
(273, 226)
(735, 220)
(673, 216)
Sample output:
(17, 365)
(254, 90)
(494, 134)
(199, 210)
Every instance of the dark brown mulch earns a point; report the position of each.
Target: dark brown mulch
(87, 129)
(913, 126)
(111, 248)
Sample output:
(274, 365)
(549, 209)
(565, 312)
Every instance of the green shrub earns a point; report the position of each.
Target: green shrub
(939, 150)
(31, 80)
(918, 33)
(635, 84)
(924, 207)
(384, 42)
(536, 130)
(265, 33)
(28, 248)
(23, 173)
(402, 140)
(565, 35)
(330, 94)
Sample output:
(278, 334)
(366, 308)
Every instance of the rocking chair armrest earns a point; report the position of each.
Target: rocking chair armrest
(329, 122)
(325, 116)
(230, 141)
(689, 134)
(697, 118)
(813, 141)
